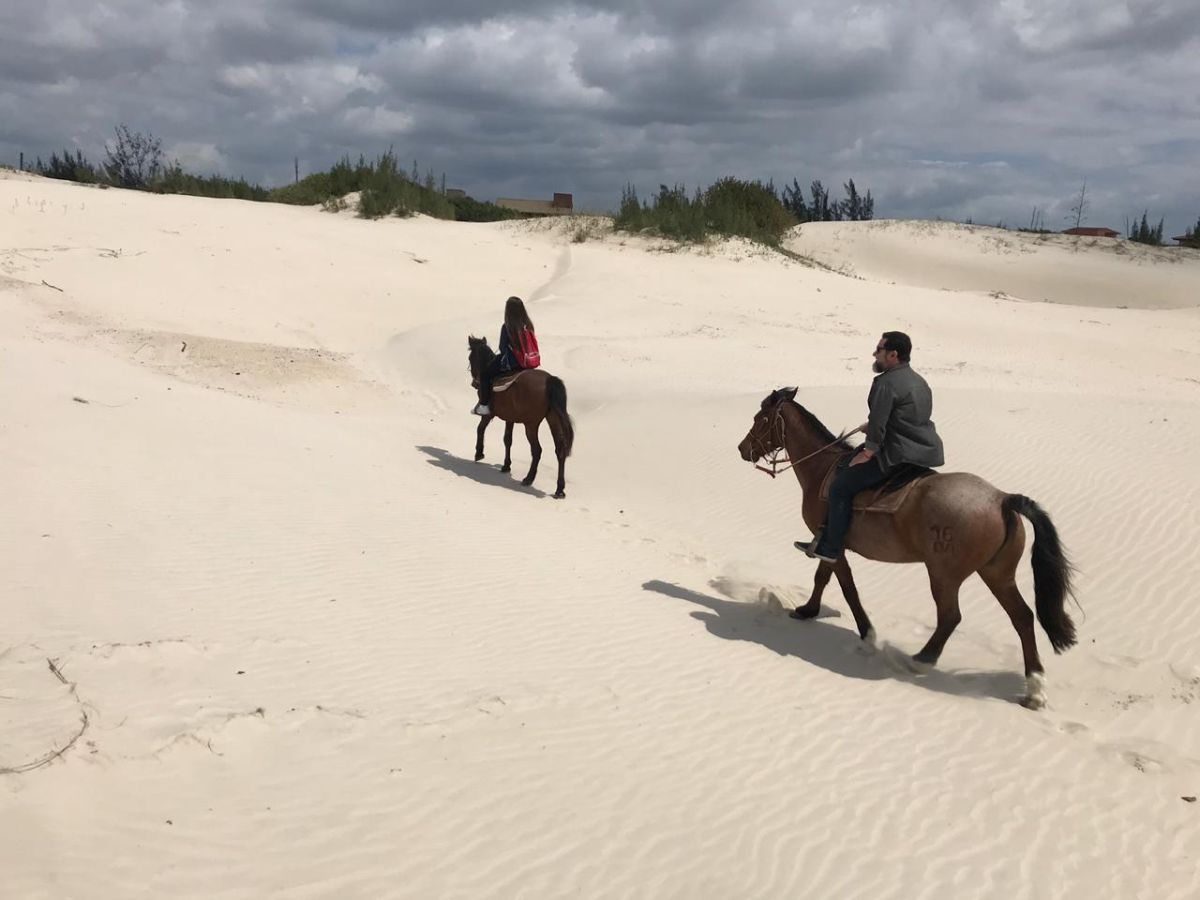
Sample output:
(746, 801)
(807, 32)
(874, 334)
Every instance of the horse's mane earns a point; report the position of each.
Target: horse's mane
(787, 395)
(819, 427)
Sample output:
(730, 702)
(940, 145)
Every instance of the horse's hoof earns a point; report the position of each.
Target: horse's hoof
(924, 660)
(506, 468)
(526, 481)
(869, 639)
(478, 457)
(804, 612)
(1035, 687)
(558, 495)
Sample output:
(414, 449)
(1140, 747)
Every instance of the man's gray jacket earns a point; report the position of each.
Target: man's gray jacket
(899, 429)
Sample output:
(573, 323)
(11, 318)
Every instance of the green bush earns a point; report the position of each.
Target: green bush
(388, 191)
(730, 207)
(135, 160)
(343, 178)
(176, 181)
(69, 168)
(385, 191)
(630, 216)
(746, 208)
(467, 209)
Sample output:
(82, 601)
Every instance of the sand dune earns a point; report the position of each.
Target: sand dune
(1052, 268)
(323, 653)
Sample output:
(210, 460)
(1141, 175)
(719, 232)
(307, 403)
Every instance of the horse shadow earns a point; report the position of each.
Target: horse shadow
(833, 648)
(479, 472)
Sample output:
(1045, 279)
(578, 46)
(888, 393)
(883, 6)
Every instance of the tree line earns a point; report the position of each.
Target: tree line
(736, 207)
(731, 206)
(135, 160)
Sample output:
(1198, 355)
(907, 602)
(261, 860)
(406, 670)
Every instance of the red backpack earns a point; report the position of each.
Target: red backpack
(526, 350)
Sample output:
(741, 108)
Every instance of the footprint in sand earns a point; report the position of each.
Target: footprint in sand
(1143, 763)
(1147, 757)
(1119, 660)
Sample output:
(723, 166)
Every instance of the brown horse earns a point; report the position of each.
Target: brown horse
(534, 396)
(955, 523)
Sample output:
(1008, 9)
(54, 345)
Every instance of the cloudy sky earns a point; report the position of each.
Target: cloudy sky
(942, 108)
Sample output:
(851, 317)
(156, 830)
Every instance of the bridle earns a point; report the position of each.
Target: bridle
(779, 464)
(476, 365)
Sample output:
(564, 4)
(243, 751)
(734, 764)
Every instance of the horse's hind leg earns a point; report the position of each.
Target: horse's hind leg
(866, 630)
(535, 449)
(1000, 581)
(507, 467)
(810, 609)
(483, 424)
(945, 595)
(560, 452)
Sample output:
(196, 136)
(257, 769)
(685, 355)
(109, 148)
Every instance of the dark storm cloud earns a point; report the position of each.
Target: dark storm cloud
(941, 108)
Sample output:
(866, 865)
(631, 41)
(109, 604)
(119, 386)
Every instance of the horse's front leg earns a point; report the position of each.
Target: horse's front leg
(507, 467)
(810, 609)
(866, 630)
(483, 424)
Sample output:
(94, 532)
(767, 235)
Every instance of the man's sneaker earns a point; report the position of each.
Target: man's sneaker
(809, 548)
(481, 409)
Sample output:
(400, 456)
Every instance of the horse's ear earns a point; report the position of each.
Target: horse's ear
(777, 395)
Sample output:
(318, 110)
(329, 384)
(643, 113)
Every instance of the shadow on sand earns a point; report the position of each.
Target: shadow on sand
(834, 648)
(480, 472)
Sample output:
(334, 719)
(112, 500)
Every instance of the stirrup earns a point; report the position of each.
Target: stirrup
(809, 549)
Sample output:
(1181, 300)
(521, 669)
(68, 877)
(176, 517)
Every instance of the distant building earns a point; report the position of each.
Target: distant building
(1093, 232)
(1188, 241)
(455, 192)
(561, 205)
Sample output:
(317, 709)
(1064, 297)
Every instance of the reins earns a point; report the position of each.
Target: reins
(778, 465)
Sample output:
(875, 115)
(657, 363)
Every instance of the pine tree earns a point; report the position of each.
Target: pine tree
(136, 161)
(821, 211)
(793, 201)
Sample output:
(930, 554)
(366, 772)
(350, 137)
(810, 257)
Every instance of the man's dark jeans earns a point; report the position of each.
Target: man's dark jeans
(848, 482)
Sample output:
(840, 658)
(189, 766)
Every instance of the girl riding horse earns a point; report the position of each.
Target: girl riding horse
(516, 337)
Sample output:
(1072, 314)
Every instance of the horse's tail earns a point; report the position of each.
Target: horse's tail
(1051, 570)
(557, 393)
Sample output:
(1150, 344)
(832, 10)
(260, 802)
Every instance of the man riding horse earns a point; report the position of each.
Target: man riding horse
(899, 431)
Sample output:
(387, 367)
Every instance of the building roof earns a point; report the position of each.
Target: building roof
(559, 206)
(535, 207)
(1092, 232)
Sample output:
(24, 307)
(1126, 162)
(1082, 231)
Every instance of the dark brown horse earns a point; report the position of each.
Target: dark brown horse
(955, 523)
(535, 395)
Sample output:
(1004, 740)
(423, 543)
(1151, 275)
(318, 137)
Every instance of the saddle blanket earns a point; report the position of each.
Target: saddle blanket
(885, 498)
(504, 382)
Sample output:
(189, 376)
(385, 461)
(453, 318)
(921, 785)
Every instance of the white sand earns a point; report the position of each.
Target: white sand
(1055, 268)
(322, 653)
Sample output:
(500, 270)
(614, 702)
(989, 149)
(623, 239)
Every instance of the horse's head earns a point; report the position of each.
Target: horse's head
(765, 435)
(479, 354)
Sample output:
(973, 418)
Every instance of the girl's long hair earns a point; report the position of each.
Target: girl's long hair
(515, 317)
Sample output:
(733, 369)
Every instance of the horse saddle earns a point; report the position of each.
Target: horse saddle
(887, 497)
(504, 382)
